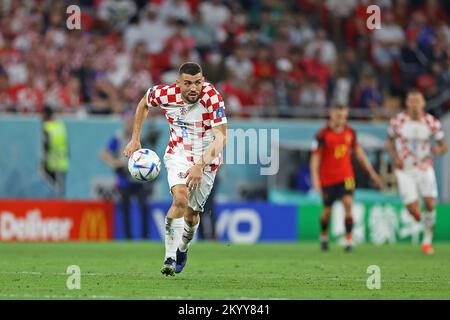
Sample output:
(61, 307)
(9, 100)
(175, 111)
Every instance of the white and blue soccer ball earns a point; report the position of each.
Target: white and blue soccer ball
(144, 165)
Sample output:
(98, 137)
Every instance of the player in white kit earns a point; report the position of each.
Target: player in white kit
(196, 114)
(410, 143)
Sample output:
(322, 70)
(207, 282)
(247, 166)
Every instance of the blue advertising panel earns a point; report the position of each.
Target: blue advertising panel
(251, 222)
(246, 222)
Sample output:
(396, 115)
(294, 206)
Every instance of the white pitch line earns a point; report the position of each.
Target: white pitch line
(36, 273)
(174, 297)
(343, 279)
(47, 296)
(248, 298)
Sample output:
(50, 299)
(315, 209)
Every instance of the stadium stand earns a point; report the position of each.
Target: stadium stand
(269, 58)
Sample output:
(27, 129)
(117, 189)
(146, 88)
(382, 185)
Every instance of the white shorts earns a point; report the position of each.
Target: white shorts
(176, 174)
(415, 182)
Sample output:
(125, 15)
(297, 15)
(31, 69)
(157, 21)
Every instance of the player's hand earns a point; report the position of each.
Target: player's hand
(316, 186)
(194, 177)
(398, 163)
(117, 164)
(315, 195)
(131, 147)
(318, 190)
(436, 150)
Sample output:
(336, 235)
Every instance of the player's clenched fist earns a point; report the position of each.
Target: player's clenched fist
(131, 147)
(194, 177)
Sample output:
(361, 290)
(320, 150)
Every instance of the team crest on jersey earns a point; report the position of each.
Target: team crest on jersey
(183, 111)
(182, 175)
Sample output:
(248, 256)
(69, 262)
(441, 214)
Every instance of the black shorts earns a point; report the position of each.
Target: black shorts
(336, 191)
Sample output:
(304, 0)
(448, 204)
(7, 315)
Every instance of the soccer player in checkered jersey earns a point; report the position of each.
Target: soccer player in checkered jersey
(332, 172)
(410, 145)
(195, 111)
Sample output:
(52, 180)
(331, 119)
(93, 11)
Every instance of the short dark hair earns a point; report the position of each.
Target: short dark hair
(413, 91)
(191, 68)
(47, 112)
(339, 107)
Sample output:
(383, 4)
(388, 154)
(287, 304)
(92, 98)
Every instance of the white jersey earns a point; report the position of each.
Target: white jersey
(413, 139)
(190, 123)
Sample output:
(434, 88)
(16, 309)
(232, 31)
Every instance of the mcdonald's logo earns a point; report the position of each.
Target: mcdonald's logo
(93, 225)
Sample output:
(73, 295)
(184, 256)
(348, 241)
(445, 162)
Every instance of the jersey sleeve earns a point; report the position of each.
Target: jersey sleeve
(152, 97)
(354, 140)
(113, 145)
(436, 130)
(393, 128)
(215, 106)
(319, 142)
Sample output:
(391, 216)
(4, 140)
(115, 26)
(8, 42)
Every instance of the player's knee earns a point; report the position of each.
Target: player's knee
(429, 205)
(347, 201)
(180, 200)
(413, 207)
(326, 212)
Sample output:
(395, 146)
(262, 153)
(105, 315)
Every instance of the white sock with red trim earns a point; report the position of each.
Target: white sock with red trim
(429, 222)
(188, 235)
(174, 230)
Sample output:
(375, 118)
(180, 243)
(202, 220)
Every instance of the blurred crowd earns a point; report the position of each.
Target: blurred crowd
(273, 58)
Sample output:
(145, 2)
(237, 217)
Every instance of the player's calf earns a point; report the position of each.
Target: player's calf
(348, 234)
(414, 210)
(174, 223)
(429, 220)
(324, 221)
(188, 235)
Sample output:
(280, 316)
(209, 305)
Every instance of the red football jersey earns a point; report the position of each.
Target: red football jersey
(335, 149)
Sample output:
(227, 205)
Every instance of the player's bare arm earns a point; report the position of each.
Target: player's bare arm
(108, 158)
(314, 171)
(440, 148)
(194, 174)
(364, 161)
(398, 163)
(139, 118)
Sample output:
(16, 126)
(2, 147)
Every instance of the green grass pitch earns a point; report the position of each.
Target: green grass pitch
(130, 270)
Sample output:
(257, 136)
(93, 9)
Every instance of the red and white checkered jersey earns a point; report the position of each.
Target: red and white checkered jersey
(413, 139)
(190, 123)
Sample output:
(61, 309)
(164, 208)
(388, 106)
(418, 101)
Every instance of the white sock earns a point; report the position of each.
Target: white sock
(429, 221)
(188, 235)
(174, 230)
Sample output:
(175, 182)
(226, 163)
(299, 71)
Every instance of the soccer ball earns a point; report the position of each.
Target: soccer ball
(144, 165)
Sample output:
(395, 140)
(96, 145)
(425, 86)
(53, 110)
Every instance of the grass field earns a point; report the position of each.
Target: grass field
(130, 270)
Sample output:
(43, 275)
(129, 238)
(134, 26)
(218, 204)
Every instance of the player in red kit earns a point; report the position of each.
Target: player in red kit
(332, 171)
